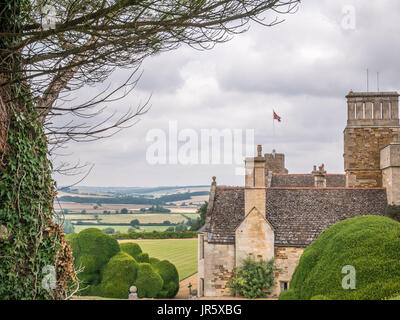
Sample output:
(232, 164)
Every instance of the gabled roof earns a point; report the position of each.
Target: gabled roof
(258, 212)
(298, 215)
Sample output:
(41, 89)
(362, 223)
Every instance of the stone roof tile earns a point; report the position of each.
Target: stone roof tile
(297, 215)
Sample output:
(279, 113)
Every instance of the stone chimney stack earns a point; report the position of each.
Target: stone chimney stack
(390, 166)
(319, 176)
(255, 182)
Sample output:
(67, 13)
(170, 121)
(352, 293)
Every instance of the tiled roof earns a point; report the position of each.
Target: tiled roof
(306, 180)
(298, 215)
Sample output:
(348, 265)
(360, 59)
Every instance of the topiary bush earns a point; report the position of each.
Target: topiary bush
(254, 279)
(320, 297)
(119, 275)
(143, 258)
(154, 261)
(288, 295)
(131, 248)
(170, 276)
(92, 249)
(368, 243)
(149, 283)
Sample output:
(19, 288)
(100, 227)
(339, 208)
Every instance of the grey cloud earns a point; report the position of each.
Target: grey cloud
(302, 68)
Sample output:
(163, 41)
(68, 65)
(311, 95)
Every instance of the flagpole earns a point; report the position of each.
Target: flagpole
(273, 129)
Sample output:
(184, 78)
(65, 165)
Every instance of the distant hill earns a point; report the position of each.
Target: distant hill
(132, 190)
(134, 200)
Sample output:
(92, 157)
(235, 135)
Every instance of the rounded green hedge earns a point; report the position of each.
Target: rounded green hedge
(320, 297)
(288, 295)
(154, 261)
(149, 283)
(92, 249)
(368, 243)
(170, 276)
(119, 275)
(131, 248)
(143, 258)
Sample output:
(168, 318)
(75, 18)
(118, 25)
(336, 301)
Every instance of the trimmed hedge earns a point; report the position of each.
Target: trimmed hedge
(131, 248)
(119, 275)
(320, 297)
(154, 261)
(288, 295)
(369, 243)
(143, 258)
(156, 235)
(111, 269)
(92, 249)
(149, 283)
(170, 276)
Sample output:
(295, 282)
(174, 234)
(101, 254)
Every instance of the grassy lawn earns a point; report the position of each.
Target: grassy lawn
(182, 253)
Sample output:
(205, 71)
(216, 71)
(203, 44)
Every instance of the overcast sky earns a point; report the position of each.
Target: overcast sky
(302, 68)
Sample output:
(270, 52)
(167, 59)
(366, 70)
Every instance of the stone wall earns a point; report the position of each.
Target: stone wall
(200, 263)
(218, 267)
(362, 153)
(390, 165)
(286, 260)
(254, 237)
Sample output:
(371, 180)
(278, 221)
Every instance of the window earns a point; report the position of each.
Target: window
(364, 110)
(284, 285)
(201, 287)
(201, 247)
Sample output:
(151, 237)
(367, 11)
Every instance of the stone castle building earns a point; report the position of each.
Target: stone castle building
(277, 214)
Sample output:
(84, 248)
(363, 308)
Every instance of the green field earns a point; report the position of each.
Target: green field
(122, 229)
(182, 253)
(193, 216)
(127, 218)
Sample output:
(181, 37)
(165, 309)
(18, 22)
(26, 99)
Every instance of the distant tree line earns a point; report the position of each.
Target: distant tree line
(156, 235)
(135, 200)
(155, 209)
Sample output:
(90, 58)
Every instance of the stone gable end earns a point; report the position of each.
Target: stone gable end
(254, 236)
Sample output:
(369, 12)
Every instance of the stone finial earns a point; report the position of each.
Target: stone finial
(321, 169)
(133, 293)
(214, 181)
(259, 150)
(314, 170)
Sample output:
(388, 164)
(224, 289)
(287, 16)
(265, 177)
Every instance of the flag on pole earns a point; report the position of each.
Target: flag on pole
(276, 117)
